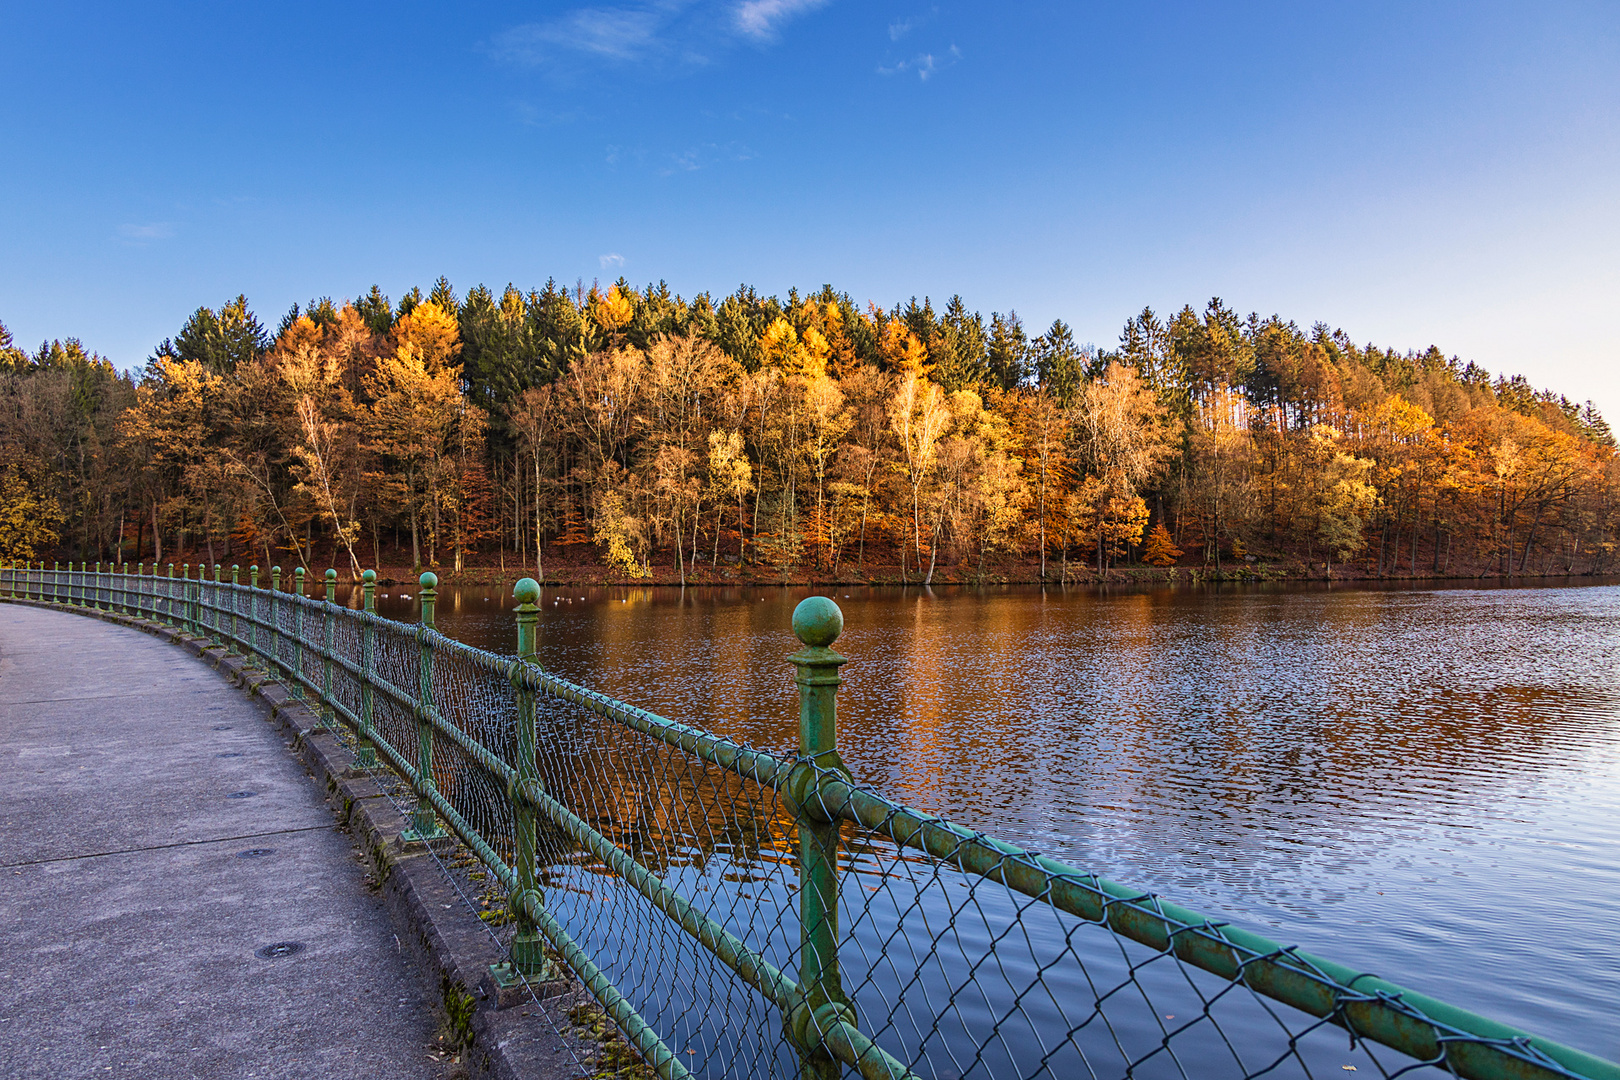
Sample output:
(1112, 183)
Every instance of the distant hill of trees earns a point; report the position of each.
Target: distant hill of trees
(640, 432)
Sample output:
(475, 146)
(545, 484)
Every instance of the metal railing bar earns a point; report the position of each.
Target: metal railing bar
(1371, 1007)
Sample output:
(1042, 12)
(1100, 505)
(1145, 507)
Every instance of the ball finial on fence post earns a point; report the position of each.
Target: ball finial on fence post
(424, 823)
(428, 593)
(365, 743)
(236, 603)
(526, 956)
(527, 594)
(817, 622)
(328, 714)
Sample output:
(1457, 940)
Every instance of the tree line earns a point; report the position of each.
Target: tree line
(641, 433)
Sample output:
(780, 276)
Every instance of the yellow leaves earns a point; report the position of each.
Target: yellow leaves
(785, 350)
(614, 311)
(778, 338)
(303, 333)
(29, 516)
(731, 475)
(414, 408)
(1109, 512)
(1401, 420)
(903, 350)
(615, 530)
(431, 332)
(174, 412)
(1161, 550)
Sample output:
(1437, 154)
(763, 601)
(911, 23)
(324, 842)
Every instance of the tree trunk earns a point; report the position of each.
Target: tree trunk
(416, 546)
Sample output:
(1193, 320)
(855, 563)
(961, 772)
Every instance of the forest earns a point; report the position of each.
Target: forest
(615, 434)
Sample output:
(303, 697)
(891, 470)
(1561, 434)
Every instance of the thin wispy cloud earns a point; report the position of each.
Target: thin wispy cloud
(901, 27)
(158, 230)
(611, 261)
(659, 33)
(762, 19)
(924, 65)
(699, 157)
(606, 33)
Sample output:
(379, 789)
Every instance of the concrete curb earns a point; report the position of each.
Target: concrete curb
(505, 1036)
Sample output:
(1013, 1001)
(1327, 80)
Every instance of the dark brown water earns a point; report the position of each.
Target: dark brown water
(1421, 783)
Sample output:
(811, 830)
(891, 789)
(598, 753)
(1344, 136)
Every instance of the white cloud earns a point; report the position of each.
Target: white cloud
(609, 33)
(901, 27)
(705, 155)
(158, 230)
(611, 259)
(760, 19)
(683, 33)
(926, 65)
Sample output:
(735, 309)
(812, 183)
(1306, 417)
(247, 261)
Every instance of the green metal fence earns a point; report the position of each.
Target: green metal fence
(743, 913)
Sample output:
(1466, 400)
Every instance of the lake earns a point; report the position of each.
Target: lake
(1424, 783)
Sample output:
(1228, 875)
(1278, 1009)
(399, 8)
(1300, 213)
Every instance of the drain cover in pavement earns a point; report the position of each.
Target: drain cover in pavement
(255, 853)
(222, 727)
(230, 753)
(241, 794)
(279, 950)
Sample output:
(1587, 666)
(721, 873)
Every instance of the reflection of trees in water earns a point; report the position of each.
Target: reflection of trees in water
(660, 805)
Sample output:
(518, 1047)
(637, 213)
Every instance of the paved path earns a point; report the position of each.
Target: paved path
(132, 781)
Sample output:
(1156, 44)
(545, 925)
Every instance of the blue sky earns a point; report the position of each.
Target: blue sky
(1415, 173)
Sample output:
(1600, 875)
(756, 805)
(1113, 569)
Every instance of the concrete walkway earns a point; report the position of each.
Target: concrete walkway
(155, 832)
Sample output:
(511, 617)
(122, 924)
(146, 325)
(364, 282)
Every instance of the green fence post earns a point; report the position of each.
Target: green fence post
(253, 610)
(424, 826)
(817, 622)
(327, 613)
(297, 683)
(185, 598)
(365, 749)
(527, 958)
(168, 598)
(275, 622)
(95, 588)
(236, 600)
(212, 606)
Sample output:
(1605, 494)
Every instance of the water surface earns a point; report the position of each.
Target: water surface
(1419, 782)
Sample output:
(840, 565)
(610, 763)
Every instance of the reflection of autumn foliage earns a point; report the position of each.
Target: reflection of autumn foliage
(810, 434)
